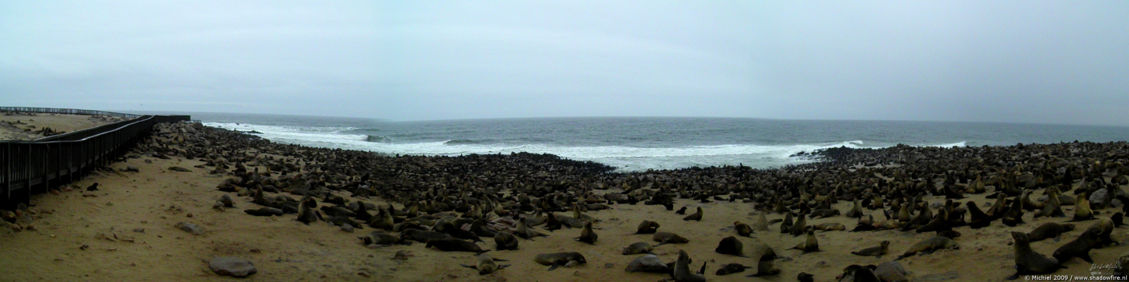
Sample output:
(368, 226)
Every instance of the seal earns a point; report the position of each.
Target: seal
(554, 260)
(682, 269)
(697, 216)
(486, 264)
(638, 248)
(786, 225)
(731, 268)
(765, 256)
(929, 245)
(800, 226)
(307, 212)
(1082, 209)
(423, 236)
(856, 272)
(729, 246)
(681, 210)
(647, 227)
(669, 238)
(504, 240)
(649, 263)
(587, 235)
(742, 228)
(877, 251)
(381, 238)
(1027, 261)
(1079, 247)
(455, 245)
(1048, 230)
(977, 218)
(810, 244)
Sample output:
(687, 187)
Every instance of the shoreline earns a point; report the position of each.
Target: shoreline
(469, 186)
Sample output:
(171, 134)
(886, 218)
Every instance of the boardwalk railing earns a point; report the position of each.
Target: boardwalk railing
(28, 167)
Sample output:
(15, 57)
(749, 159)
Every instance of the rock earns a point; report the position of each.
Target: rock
(402, 255)
(347, 228)
(190, 228)
(891, 271)
(231, 266)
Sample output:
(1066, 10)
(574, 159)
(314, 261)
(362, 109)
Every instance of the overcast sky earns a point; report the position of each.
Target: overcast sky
(1012, 61)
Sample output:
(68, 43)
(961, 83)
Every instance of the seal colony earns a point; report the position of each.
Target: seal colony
(838, 217)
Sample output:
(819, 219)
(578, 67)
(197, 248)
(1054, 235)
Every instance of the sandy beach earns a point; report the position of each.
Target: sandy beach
(30, 126)
(126, 230)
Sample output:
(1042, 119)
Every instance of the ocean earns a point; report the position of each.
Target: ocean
(635, 144)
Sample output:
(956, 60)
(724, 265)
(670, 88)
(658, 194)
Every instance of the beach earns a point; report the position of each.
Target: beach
(127, 228)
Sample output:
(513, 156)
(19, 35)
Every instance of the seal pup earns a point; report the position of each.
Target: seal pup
(696, 216)
(877, 251)
(731, 268)
(805, 277)
(810, 244)
(1079, 247)
(765, 257)
(381, 238)
(264, 211)
(742, 228)
(669, 238)
(891, 271)
(681, 211)
(856, 210)
(638, 248)
(486, 264)
(682, 269)
(1027, 261)
(423, 236)
(729, 246)
(647, 227)
(504, 240)
(1048, 230)
(454, 245)
(525, 232)
(587, 235)
(649, 263)
(554, 260)
(929, 245)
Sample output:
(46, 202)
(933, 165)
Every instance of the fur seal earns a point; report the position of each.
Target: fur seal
(587, 235)
(877, 251)
(381, 238)
(731, 268)
(810, 244)
(647, 227)
(306, 210)
(929, 245)
(1048, 230)
(554, 260)
(858, 273)
(423, 236)
(1082, 209)
(504, 240)
(977, 218)
(786, 225)
(891, 271)
(729, 246)
(682, 269)
(455, 245)
(669, 238)
(1027, 261)
(1079, 247)
(805, 277)
(742, 228)
(264, 211)
(638, 248)
(486, 264)
(856, 210)
(681, 211)
(800, 226)
(696, 216)
(649, 263)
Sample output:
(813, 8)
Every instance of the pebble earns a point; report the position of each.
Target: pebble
(232, 266)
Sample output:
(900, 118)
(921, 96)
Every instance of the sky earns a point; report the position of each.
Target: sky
(998, 61)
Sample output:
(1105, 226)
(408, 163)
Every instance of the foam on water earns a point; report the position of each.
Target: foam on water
(625, 158)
